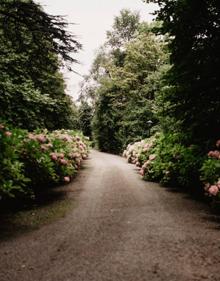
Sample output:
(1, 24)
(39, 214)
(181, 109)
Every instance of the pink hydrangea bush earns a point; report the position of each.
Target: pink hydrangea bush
(12, 171)
(210, 172)
(132, 152)
(163, 158)
(140, 154)
(55, 156)
(33, 161)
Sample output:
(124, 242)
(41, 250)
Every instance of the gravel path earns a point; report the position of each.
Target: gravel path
(122, 228)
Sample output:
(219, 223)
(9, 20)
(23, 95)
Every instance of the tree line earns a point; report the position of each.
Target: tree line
(34, 47)
(163, 72)
(161, 80)
(146, 79)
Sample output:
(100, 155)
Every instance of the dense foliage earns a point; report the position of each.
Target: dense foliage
(193, 99)
(152, 86)
(187, 102)
(32, 89)
(34, 154)
(182, 98)
(85, 114)
(164, 159)
(122, 86)
(30, 162)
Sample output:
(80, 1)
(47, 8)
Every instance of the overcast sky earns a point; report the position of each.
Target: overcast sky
(92, 19)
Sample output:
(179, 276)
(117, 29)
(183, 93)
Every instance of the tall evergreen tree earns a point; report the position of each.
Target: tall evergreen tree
(33, 46)
(193, 97)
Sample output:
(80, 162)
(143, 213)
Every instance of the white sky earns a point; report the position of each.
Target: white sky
(92, 18)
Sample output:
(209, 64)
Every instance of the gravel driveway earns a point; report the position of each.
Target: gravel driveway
(121, 228)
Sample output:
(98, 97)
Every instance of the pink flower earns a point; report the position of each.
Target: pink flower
(53, 156)
(66, 138)
(213, 190)
(60, 155)
(214, 154)
(146, 164)
(8, 134)
(152, 157)
(142, 172)
(49, 145)
(207, 186)
(63, 162)
(2, 126)
(41, 138)
(218, 143)
(44, 147)
(146, 147)
(31, 136)
(66, 179)
(74, 155)
(84, 156)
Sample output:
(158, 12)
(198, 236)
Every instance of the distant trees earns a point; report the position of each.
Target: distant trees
(123, 90)
(33, 47)
(85, 113)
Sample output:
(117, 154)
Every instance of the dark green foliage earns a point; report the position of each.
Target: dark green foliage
(175, 163)
(194, 99)
(105, 121)
(32, 90)
(85, 118)
(210, 171)
(12, 178)
(24, 24)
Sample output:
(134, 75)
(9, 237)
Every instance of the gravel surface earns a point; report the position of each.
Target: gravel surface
(121, 228)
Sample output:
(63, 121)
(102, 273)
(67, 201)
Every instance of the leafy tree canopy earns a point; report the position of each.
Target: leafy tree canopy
(120, 84)
(33, 46)
(194, 29)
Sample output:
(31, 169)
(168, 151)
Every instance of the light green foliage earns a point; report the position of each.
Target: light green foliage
(124, 28)
(125, 89)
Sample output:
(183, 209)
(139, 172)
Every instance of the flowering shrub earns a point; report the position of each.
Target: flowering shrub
(32, 161)
(210, 172)
(138, 152)
(164, 159)
(12, 178)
